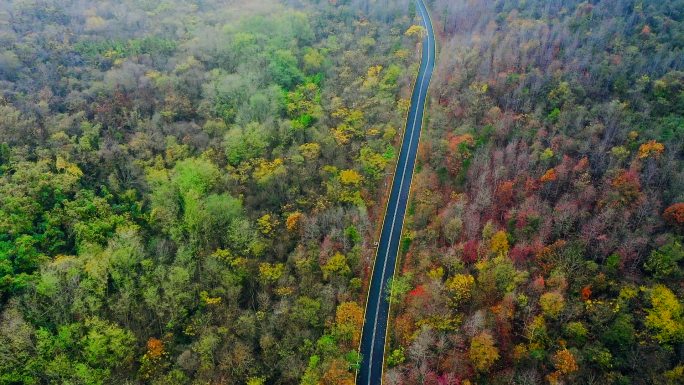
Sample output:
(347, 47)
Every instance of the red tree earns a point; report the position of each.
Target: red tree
(674, 214)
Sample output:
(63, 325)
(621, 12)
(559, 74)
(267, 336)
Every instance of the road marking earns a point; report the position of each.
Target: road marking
(396, 207)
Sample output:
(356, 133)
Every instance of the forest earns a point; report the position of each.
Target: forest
(543, 243)
(187, 188)
(190, 191)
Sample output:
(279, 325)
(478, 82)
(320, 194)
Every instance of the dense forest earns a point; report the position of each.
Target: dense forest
(188, 190)
(543, 243)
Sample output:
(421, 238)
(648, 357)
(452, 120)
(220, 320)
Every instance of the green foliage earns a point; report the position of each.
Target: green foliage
(396, 288)
(374, 163)
(283, 69)
(613, 264)
(18, 259)
(149, 45)
(663, 263)
(553, 116)
(4, 153)
(396, 357)
(245, 143)
(134, 171)
(599, 356)
(107, 345)
(576, 332)
(352, 234)
(621, 333)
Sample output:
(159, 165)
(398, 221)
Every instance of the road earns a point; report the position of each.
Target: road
(377, 308)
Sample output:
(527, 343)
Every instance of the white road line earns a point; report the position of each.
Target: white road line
(396, 207)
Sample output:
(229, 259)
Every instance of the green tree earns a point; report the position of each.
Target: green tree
(396, 288)
(663, 263)
(245, 143)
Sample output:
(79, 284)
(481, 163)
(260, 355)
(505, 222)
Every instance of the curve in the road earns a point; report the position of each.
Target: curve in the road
(377, 307)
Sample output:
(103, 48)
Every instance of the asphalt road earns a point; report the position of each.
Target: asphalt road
(377, 309)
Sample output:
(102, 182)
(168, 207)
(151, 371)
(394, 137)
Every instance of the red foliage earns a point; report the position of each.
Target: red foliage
(470, 251)
(627, 183)
(530, 186)
(586, 293)
(582, 165)
(674, 214)
(418, 291)
(521, 253)
(538, 284)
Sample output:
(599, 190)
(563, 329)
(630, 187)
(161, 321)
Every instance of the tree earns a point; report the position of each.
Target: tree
(674, 214)
(269, 272)
(652, 148)
(310, 150)
(452, 230)
(348, 322)
(459, 288)
(665, 317)
(293, 222)
(245, 143)
(337, 374)
(336, 265)
(282, 68)
(564, 362)
(483, 353)
(551, 303)
(350, 177)
(313, 60)
(95, 24)
(415, 30)
(499, 243)
(664, 262)
(396, 288)
(106, 345)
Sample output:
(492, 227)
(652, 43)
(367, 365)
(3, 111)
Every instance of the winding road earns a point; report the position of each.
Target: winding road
(377, 307)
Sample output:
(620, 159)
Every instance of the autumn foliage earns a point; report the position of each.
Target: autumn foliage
(674, 214)
(651, 148)
(348, 320)
(549, 175)
(483, 352)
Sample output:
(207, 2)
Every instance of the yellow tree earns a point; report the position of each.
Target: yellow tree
(665, 318)
(499, 243)
(337, 265)
(415, 30)
(551, 304)
(292, 222)
(483, 353)
(310, 150)
(269, 272)
(652, 148)
(351, 177)
(348, 322)
(267, 223)
(459, 288)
